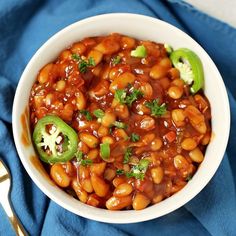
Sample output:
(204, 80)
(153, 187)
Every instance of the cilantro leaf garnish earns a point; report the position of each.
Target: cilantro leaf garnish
(87, 114)
(120, 125)
(127, 155)
(156, 109)
(122, 97)
(83, 64)
(134, 137)
(80, 159)
(116, 60)
(99, 113)
(138, 171)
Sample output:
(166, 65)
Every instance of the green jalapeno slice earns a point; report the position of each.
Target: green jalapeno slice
(54, 140)
(190, 67)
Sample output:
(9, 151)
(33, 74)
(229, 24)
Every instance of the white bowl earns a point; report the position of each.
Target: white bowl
(141, 27)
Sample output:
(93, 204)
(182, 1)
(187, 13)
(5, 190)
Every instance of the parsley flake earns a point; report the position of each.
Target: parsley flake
(116, 60)
(87, 114)
(156, 109)
(127, 155)
(83, 64)
(99, 113)
(134, 137)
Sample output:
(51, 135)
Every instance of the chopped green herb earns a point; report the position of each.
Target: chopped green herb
(120, 125)
(99, 113)
(189, 177)
(156, 109)
(116, 60)
(84, 162)
(105, 150)
(79, 156)
(140, 51)
(87, 114)
(110, 130)
(120, 96)
(127, 155)
(76, 57)
(120, 172)
(83, 64)
(133, 97)
(139, 175)
(134, 137)
(139, 170)
(91, 61)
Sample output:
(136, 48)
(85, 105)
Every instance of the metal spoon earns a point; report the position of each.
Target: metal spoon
(5, 186)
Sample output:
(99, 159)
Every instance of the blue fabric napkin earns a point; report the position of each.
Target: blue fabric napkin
(24, 26)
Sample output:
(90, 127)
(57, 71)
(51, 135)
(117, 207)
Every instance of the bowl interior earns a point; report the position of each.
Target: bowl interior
(140, 27)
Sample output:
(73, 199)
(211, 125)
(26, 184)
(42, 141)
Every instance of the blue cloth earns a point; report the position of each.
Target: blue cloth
(24, 26)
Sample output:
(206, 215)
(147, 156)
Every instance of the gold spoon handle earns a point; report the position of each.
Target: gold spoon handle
(19, 229)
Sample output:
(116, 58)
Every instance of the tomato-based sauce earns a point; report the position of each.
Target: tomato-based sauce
(154, 130)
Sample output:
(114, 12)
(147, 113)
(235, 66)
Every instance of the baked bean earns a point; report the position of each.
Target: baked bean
(157, 198)
(127, 43)
(122, 81)
(156, 144)
(147, 123)
(108, 46)
(81, 194)
(83, 172)
(121, 111)
(158, 72)
(100, 187)
(59, 175)
(157, 174)
(175, 92)
(180, 162)
(189, 144)
(147, 90)
(122, 190)
(93, 200)
(206, 139)
(80, 100)
(93, 154)
(196, 119)
(120, 134)
(87, 185)
(103, 131)
(140, 201)
(178, 117)
(60, 86)
(165, 62)
(78, 48)
(118, 203)
(65, 55)
(98, 168)
(108, 139)
(109, 174)
(96, 55)
(173, 73)
(90, 140)
(178, 82)
(108, 119)
(196, 155)
(44, 74)
(118, 180)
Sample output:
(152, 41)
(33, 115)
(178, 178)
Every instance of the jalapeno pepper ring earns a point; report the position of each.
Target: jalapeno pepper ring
(47, 142)
(190, 67)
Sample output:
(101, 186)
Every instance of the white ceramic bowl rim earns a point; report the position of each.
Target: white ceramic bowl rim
(200, 179)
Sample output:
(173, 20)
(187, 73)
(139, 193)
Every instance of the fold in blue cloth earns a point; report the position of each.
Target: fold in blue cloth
(24, 26)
